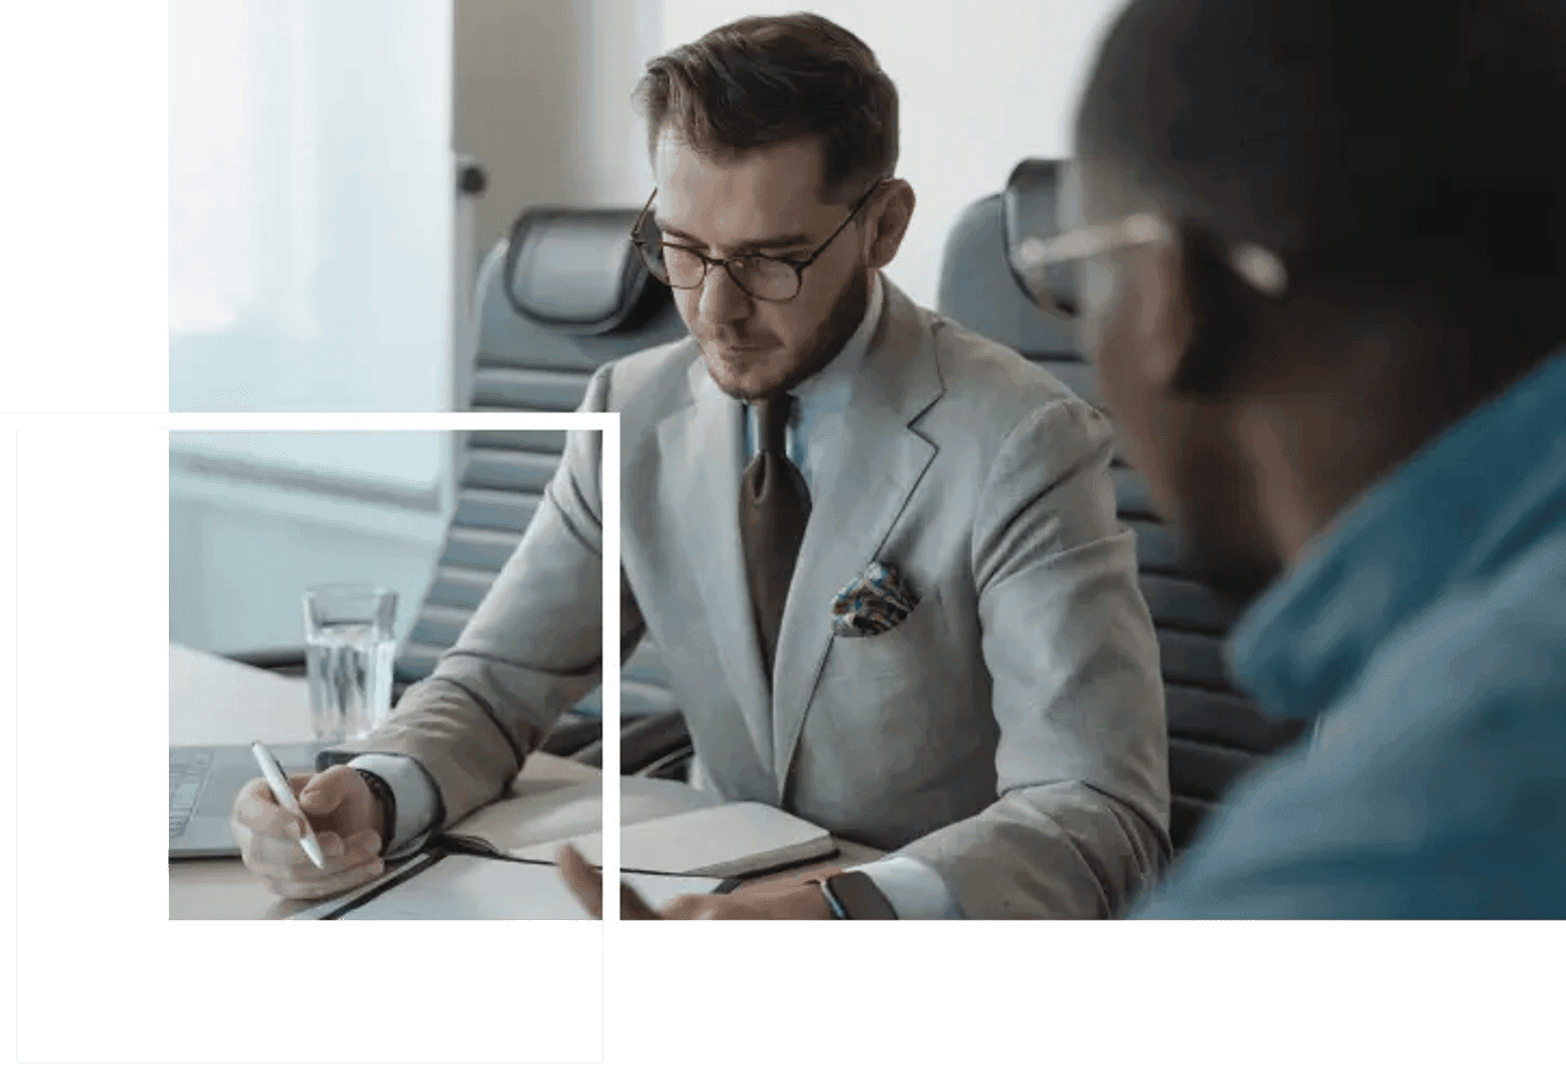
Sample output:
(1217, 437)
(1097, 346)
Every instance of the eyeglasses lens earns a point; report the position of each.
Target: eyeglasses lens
(763, 278)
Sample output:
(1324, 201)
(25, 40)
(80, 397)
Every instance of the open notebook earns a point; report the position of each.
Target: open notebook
(675, 841)
(666, 827)
(447, 886)
(727, 840)
(545, 813)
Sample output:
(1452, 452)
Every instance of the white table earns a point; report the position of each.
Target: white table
(213, 701)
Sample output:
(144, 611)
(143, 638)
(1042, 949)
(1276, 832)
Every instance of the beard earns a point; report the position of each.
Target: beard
(815, 352)
(828, 338)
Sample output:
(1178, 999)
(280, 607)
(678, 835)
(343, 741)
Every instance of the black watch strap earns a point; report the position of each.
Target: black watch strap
(388, 803)
(857, 895)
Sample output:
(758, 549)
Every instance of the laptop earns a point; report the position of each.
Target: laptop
(204, 781)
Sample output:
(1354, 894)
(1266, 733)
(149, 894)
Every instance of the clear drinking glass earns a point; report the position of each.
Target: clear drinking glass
(350, 643)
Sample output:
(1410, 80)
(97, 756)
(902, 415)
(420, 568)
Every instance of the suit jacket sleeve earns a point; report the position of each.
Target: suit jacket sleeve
(530, 651)
(1081, 822)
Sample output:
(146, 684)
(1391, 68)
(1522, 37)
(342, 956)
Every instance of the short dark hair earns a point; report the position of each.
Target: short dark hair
(764, 80)
(1424, 140)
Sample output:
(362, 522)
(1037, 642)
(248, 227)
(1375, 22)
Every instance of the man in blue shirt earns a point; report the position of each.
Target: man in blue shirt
(1323, 276)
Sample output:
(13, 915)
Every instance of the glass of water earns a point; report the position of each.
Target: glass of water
(350, 643)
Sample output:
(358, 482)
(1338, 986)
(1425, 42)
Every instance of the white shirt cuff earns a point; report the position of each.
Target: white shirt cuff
(914, 890)
(415, 794)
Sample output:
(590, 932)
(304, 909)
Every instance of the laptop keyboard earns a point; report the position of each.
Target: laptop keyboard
(187, 774)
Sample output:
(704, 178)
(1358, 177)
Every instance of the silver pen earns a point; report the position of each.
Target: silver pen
(285, 798)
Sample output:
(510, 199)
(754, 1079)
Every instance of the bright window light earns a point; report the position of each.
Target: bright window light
(310, 210)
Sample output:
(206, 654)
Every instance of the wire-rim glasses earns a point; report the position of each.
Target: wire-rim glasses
(1255, 265)
(763, 277)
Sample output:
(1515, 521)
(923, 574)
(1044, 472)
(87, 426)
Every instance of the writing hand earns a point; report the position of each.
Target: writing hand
(344, 816)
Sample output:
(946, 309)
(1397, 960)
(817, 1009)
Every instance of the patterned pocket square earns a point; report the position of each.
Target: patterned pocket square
(872, 603)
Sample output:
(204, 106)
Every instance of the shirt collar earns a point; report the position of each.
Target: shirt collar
(1461, 506)
(840, 372)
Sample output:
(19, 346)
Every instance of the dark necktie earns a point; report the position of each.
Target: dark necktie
(774, 507)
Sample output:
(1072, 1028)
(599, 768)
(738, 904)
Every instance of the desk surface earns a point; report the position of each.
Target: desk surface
(214, 700)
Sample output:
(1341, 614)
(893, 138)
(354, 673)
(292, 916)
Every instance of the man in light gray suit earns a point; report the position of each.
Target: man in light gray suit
(879, 553)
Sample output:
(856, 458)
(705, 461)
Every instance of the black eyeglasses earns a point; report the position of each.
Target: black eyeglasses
(765, 277)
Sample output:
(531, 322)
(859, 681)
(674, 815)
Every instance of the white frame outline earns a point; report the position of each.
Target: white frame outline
(13, 423)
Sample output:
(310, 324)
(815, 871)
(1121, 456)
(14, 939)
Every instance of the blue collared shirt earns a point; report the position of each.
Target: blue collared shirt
(1427, 630)
(815, 428)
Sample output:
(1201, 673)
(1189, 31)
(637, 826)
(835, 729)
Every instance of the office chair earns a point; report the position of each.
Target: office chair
(565, 294)
(1216, 733)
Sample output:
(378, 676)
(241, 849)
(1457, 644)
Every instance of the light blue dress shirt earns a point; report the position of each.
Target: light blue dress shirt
(1426, 628)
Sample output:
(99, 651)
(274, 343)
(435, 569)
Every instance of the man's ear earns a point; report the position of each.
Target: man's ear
(1156, 285)
(890, 211)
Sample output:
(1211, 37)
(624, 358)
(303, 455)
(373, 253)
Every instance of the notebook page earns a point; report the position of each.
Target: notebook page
(729, 839)
(539, 814)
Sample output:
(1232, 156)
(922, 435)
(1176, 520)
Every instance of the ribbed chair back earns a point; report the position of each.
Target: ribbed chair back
(565, 294)
(1216, 733)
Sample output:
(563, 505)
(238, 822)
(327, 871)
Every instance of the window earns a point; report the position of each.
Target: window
(310, 210)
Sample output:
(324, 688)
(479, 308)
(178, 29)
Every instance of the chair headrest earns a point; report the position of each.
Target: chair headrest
(1031, 207)
(575, 271)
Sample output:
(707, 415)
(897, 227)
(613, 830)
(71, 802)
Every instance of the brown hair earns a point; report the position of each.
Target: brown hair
(764, 80)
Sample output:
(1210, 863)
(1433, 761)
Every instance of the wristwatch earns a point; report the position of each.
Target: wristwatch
(852, 895)
(388, 804)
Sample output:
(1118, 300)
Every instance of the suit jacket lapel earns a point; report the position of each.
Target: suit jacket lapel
(701, 448)
(855, 505)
